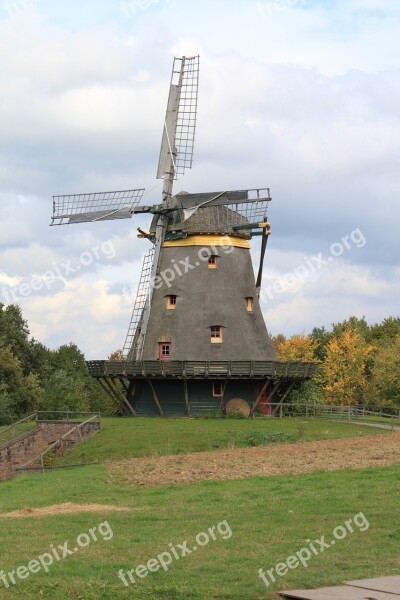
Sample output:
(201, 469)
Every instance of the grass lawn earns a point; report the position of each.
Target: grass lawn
(270, 519)
(126, 438)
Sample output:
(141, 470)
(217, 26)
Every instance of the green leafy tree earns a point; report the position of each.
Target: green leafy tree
(389, 329)
(65, 393)
(14, 334)
(386, 375)
(321, 337)
(10, 371)
(7, 414)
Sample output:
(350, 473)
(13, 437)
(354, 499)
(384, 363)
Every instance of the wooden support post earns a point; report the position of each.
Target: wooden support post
(262, 391)
(131, 390)
(264, 387)
(153, 391)
(116, 393)
(282, 400)
(185, 389)
(122, 397)
(104, 386)
(124, 385)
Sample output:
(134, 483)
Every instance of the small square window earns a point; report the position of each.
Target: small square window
(218, 391)
(249, 304)
(171, 302)
(212, 262)
(164, 351)
(216, 334)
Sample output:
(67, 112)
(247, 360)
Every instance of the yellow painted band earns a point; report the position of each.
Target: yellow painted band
(209, 240)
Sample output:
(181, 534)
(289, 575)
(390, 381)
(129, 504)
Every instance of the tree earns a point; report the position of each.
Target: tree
(71, 361)
(10, 370)
(14, 334)
(389, 329)
(297, 348)
(65, 393)
(116, 355)
(321, 337)
(32, 396)
(7, 414)
(359, 325)
(343, 373)
(386, 374)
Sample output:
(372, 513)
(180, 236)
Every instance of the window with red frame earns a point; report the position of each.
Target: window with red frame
(164, 351)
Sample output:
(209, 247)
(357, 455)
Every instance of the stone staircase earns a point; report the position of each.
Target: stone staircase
(48, 437)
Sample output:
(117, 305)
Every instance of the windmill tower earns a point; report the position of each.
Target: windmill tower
(196, 318)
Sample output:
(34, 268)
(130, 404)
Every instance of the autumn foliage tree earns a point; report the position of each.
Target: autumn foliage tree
(386, 374)
(297, 348)
(343, 374)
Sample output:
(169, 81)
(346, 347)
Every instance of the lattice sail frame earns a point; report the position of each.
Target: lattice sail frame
(98, 206)
(220, 211)
(181, 117)
(255, 207)
(133, 343)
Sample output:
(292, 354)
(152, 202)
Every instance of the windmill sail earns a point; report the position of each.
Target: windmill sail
(99, 206)
(135, 337)
(180, 120)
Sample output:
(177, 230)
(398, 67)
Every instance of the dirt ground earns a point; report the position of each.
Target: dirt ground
(280, 459)
(61, 509)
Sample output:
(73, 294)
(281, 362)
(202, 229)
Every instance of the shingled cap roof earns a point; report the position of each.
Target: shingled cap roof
(197, 214)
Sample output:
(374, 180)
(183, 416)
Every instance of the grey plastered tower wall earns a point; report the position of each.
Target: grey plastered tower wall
(206, 297)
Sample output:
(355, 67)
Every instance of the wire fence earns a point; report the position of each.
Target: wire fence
(30, 422)
(389, 416)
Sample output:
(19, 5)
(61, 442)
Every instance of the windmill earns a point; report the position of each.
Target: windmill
(196, 318)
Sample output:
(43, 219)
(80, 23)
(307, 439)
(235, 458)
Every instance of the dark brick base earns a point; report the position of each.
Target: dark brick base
(19, 451)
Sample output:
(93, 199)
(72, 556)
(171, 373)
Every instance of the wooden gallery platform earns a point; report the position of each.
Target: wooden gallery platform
(384, 588)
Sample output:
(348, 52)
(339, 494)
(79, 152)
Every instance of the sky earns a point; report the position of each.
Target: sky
(302, 96)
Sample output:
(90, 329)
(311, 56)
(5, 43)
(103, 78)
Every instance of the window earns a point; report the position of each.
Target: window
(171, 302)
(164, 351)
(212, 262)
(249, 304)
(216, 334)
(217, 390)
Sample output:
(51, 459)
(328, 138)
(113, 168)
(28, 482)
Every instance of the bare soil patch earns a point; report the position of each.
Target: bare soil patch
(280, 459)
(62, 509)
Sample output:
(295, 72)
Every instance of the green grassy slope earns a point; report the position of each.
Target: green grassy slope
(125, 438)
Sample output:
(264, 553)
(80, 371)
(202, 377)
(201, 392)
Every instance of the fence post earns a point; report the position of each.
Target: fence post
(281, 412)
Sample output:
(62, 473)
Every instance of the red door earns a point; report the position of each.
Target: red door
(264, 405)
